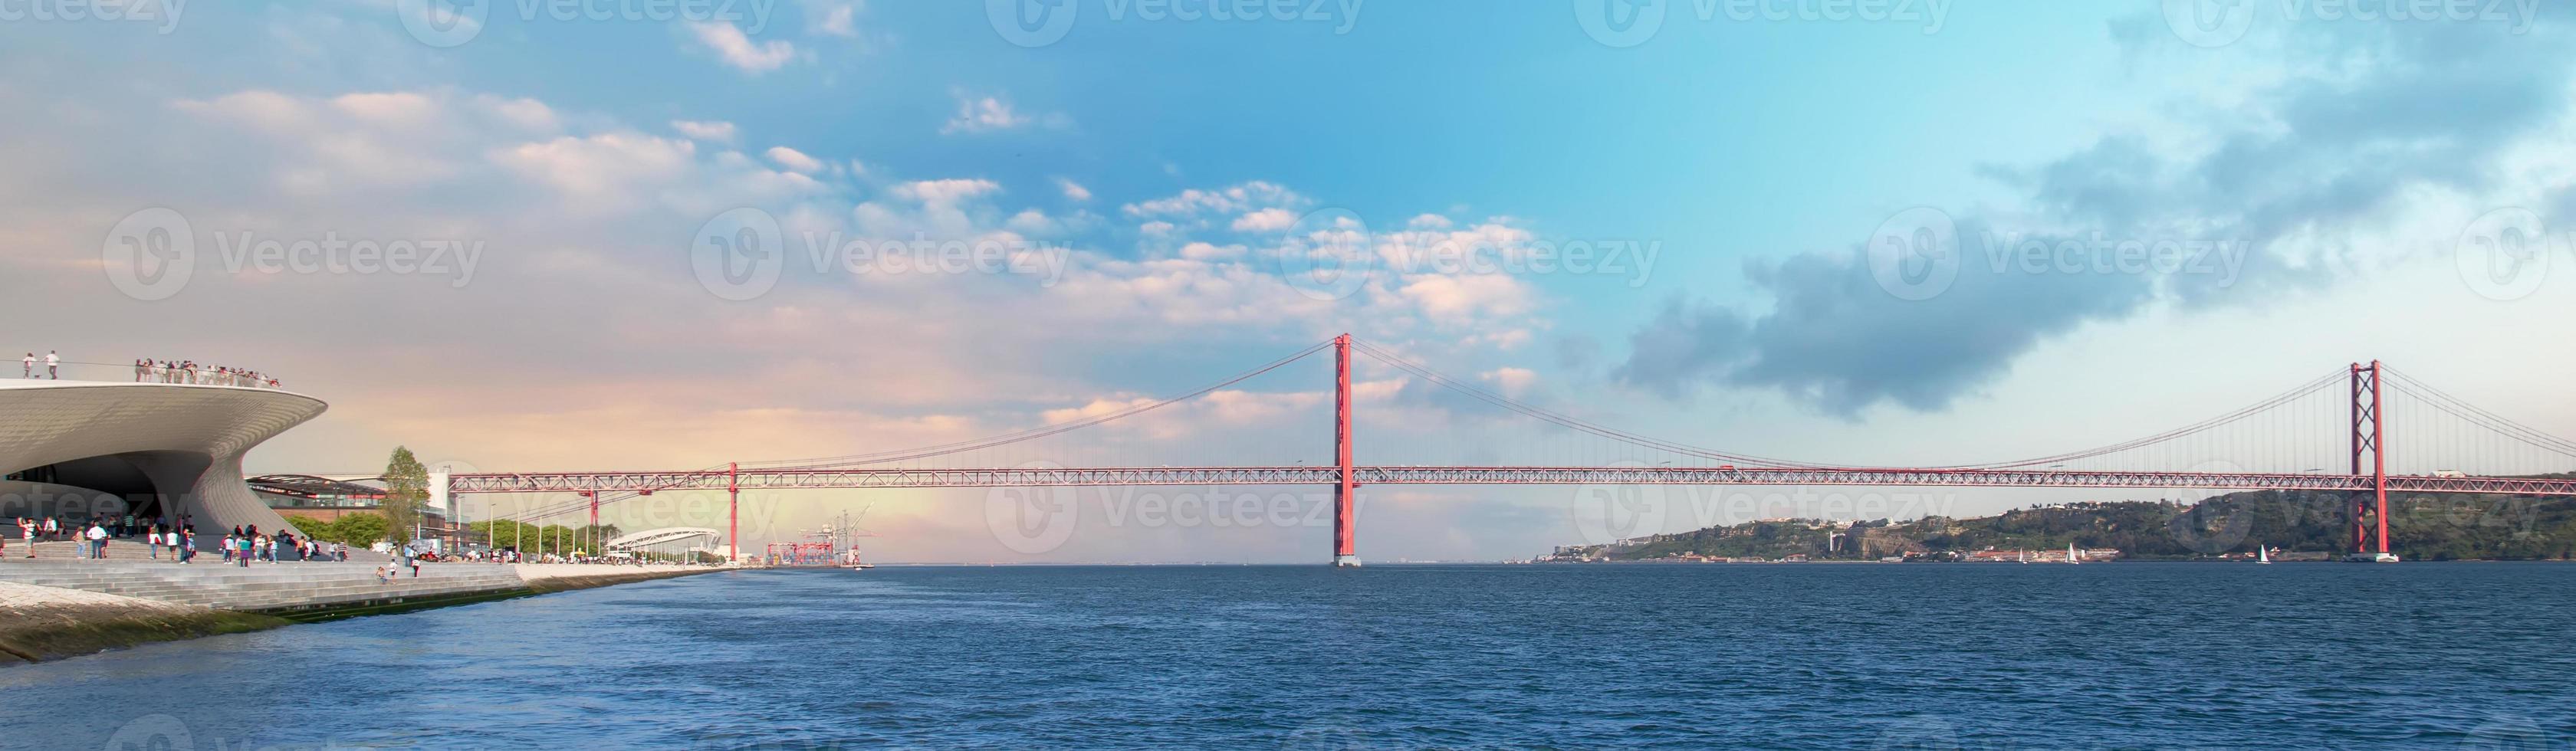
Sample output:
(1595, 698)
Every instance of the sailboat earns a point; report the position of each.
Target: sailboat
(2263, 554)
(2070, 554)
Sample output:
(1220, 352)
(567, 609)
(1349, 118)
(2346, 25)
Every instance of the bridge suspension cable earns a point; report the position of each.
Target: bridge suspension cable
(883, 457)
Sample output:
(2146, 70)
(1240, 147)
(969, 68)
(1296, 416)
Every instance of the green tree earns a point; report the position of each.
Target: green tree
(361, 530)
(406, 489)
(358, 530)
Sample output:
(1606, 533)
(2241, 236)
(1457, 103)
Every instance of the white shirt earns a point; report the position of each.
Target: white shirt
(53, 359)
(97, 533)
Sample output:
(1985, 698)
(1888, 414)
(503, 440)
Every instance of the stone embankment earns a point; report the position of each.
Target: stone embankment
(53, 608)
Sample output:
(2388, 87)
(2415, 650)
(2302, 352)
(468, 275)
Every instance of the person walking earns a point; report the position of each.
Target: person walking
(97, 535)
(53, 365)
(29, 371)
(27, 533)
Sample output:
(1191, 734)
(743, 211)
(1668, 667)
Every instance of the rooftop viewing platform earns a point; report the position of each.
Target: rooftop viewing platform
(52, 366)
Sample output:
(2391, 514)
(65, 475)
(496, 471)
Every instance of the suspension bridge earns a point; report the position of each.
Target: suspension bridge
(2332, 434)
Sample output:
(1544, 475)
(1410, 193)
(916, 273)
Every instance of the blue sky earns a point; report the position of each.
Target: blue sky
(1166, 164)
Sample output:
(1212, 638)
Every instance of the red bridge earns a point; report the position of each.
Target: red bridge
(2462, 432)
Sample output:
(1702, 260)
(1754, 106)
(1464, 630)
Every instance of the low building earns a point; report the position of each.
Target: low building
(325, 499)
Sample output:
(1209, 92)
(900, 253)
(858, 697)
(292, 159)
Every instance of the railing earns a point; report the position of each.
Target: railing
(76, 370)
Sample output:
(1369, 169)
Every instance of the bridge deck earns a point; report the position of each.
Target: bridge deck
(797, 479)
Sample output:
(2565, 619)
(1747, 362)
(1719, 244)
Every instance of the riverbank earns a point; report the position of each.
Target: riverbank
(65, 609)
(544, 578)
(49, 623)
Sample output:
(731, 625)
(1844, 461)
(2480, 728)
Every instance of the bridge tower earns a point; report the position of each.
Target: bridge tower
(733, 512)
(2369, 435)
(1345, 517)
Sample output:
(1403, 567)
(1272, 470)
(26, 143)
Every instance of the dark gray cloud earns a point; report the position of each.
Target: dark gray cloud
(1837, 340)
(2396, 108)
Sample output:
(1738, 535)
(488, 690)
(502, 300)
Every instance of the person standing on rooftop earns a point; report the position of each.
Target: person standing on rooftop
(53, 365)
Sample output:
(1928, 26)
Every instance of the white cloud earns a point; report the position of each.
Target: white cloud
(705, 130)
(523, 112)
(1512, 382)
(982, 115)
(949, 191)
(1072, 190)
(837, 18)
(601, 173)
(739, 51)
(1208, 252)
(1265, 220)
(1429, 221)
(1461, 298)
(794, 160)
(1238, 198)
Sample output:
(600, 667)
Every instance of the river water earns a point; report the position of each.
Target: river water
(1813, 655)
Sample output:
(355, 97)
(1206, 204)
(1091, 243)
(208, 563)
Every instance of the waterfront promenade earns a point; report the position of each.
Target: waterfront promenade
(57, 607)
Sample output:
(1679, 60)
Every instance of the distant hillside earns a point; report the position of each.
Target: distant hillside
(2425, 527)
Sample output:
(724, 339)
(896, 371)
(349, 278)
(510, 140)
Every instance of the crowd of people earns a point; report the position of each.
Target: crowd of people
(94, 534)
(176, 541)
(156, 371)
(188, 371)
